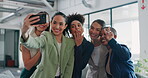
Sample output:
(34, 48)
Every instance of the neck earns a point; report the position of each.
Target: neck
(96, 43)
(59, 38)
(37, 32)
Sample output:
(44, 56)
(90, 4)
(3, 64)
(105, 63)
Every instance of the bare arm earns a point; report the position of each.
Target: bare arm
(28, 61)
(27, 23)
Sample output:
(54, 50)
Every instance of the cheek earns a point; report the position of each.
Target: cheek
(90, 31)
(72, 30)
(98, 33)
(82, 30)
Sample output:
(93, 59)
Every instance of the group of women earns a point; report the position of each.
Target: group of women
(56, 54)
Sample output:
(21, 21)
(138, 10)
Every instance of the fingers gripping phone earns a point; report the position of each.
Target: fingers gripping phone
(43, 16)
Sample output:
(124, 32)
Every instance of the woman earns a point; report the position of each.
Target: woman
(31, 56)
(118, 63)
(97, 61)
(57, 50)
(83, 48)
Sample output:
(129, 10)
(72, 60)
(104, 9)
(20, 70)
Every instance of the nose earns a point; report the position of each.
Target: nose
(77, 27)
(93, 31)
(102, 36)
(57, 26)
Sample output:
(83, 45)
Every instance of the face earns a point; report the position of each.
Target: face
(58, 25)
(42, 27)
(76, 27)
(95, 30)
(103, 39)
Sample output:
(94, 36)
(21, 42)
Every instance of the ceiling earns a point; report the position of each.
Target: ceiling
(15, 8)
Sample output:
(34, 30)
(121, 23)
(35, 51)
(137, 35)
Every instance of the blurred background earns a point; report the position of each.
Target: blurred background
(128, 17)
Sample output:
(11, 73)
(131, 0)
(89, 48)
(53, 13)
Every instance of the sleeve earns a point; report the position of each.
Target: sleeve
(36, 42)
(69, 67)
(121, 51)
(83, 53)
(88, 51)
(78, 54)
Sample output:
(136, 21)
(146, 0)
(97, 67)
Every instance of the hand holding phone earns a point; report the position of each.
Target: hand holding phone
(43, 18)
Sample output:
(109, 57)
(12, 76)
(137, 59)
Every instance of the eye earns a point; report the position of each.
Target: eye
(98, 29)
(72, 26)
(61, 24)
(92, 27)
(79, 25)
(54, 22)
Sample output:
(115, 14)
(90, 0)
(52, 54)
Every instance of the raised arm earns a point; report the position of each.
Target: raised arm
(27, 39)
(27, 23)
(120, 50)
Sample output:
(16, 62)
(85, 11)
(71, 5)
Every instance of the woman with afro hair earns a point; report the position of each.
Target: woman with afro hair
(83, 48)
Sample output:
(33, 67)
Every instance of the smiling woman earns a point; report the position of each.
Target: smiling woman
(53, 45)
(31, 57)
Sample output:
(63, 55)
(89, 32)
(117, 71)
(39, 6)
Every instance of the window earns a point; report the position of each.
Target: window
(125, 21)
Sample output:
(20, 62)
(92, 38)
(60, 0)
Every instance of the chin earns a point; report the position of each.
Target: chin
(93, 38)
(104, 43)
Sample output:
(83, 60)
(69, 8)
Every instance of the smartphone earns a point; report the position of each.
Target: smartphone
(43, 18)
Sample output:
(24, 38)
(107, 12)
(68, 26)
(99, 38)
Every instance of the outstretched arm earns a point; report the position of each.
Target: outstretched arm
(27, 39)
(27, 23)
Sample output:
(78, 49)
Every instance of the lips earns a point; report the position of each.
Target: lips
(103, 40)
(42, 26)
(56, 30)
(93, 35)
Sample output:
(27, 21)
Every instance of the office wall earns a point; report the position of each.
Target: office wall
(9, 43)
(143, 23)
(72, 6)
(1, 46)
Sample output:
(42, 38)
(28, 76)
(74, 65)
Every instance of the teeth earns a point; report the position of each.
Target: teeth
(41, 26)
(103, 40)
(56, 30)
(92, 35)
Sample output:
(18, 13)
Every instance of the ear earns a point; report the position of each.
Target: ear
(115, 36)
(65, 26)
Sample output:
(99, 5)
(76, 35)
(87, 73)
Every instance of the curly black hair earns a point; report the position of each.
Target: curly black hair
(73, 17)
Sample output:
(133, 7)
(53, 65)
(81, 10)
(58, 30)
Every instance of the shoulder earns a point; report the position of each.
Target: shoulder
(69, 41)
(46, 33)
(87, 43)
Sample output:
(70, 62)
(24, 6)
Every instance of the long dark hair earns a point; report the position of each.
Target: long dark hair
(99, 21)
(64, 16)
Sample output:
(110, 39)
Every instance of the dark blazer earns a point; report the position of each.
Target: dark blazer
(121, 65)
(81, 57)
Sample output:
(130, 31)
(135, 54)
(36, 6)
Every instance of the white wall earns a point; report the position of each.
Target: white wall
(143, 26)
(72, 6)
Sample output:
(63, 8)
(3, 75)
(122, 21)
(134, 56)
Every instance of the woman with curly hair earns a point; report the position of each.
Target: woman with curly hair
(83, 48)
